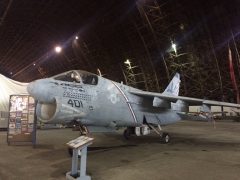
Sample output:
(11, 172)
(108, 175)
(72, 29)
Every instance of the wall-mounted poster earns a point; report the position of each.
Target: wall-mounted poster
(22, 120)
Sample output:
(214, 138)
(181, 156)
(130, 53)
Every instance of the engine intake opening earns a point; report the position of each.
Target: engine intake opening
(46, 112)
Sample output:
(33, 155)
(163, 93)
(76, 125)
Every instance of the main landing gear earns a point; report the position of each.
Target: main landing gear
(144, 130)
(128, 132)
(165, 138)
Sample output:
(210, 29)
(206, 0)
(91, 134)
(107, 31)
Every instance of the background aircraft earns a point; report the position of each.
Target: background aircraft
(103, 105)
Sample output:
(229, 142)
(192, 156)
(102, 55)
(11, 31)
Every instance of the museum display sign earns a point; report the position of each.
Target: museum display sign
(22, 120)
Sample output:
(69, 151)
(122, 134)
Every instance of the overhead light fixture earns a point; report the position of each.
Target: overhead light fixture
(127, 62)
(76, 37)
(174, 47)
(58, 49)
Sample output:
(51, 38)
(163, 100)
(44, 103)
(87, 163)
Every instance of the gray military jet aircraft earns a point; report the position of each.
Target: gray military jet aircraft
(104, 105)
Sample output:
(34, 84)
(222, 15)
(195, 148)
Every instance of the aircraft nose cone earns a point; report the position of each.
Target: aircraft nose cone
(40, 90)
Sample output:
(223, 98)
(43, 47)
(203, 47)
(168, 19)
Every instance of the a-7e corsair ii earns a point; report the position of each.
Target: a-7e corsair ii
(104, 105)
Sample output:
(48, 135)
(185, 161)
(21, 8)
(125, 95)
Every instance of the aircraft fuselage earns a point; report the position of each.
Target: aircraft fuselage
(105, 103)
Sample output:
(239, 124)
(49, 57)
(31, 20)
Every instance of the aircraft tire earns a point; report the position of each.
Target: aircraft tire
(165, 138)
(127, 134)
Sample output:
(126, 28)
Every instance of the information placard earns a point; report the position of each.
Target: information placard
(22, 120)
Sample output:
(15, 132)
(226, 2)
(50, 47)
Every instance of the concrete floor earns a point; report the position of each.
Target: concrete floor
(197, 151)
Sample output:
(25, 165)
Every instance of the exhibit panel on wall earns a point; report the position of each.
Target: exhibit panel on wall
(22, 121)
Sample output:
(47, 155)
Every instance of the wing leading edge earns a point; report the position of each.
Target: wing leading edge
(190, 101)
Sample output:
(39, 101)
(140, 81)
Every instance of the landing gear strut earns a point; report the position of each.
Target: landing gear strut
(165, 138)
(77, 126)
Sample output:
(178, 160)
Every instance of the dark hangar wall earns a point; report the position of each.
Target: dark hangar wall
(112, 31)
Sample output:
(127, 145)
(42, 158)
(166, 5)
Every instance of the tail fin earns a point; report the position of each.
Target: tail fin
(173, 87)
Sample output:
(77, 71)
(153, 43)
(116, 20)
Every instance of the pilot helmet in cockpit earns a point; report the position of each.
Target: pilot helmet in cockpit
(75, 77)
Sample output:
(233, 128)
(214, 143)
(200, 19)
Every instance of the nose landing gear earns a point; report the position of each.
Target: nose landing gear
(78, 126)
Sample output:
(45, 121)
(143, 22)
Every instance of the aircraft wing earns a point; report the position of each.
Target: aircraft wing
(189, 100)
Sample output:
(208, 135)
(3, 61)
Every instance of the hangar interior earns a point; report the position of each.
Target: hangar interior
(141, 43)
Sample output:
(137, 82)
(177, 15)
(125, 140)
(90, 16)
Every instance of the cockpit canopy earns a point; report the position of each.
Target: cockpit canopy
(78, 77)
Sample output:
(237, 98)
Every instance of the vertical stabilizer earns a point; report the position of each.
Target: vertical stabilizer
(174, 85)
